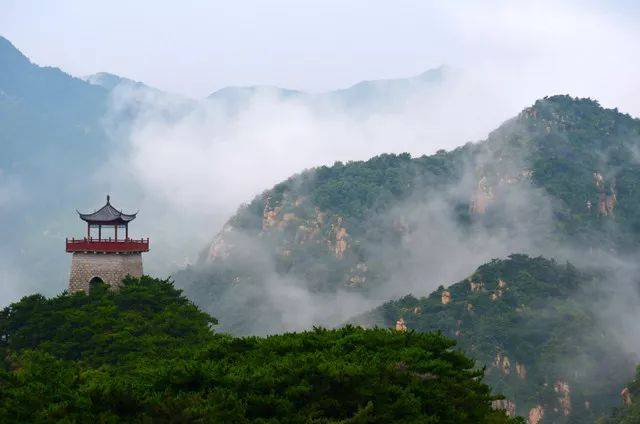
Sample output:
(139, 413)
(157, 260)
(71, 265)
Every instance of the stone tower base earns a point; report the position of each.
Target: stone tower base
(111, 268)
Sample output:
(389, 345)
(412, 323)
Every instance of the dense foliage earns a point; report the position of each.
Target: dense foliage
(145, 353)
(145, 317)
(534, 323)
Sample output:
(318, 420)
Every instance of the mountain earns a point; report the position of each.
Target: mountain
(534, 324)
(45, 110)
(388, 92)
(361, 99)
(559, 178)
(110, 81)
(53, 139)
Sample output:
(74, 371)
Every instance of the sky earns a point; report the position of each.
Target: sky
(196, 47)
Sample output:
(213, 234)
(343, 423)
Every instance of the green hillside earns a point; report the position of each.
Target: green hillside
(147, 354)
(534, 324)
(560, 177)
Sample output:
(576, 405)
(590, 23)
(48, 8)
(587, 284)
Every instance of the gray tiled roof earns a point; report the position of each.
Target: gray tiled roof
(107, 215)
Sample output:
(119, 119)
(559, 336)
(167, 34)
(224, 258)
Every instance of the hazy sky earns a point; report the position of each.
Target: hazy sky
(196, 47)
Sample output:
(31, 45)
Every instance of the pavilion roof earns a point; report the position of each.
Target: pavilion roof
(107, 215)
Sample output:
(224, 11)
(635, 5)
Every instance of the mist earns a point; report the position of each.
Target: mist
(194, 162)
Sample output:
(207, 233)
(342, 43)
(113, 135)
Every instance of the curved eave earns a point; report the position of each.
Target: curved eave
(122, 219)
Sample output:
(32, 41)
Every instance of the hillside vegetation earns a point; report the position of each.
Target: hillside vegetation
(147, 354)
(534, 324)
(561, 176)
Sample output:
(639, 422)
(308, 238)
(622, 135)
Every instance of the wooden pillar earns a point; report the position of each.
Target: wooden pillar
(116, 227)
(99, 232)
(88, 231)
(126, 231)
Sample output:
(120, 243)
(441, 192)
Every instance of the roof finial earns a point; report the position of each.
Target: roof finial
(108, 198)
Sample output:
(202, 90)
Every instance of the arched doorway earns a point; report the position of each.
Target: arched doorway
(95, 281)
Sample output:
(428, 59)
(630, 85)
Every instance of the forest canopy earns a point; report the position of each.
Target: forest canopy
(145, 353)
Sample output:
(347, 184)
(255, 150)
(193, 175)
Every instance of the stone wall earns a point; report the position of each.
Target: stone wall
(111, 268)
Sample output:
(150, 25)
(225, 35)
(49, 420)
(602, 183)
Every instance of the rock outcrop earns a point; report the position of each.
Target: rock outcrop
(564, 392)
(502, 363)
(626, 396)
(535, 415)
(401, 325)
(607, 196)
(339, 240)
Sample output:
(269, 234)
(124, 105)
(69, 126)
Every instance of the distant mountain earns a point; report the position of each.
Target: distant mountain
(44, 110)
(534, 324)
(390, 91)
(362, 98)
(52, 140)
(235, 99)
(110, 81)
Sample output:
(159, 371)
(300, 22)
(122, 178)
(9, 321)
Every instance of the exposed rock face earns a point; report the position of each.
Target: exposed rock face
(626, 396)
(521, 371)
(269, 214)
(475, 287)
(502, 363)
(401, 325)
(598, 180)
(289, 217)
(502, 285)
(507, 405)
(535, 415)
(311, 228)
(339, 241)
(220, 248)
(356, 281)
(485, 193)
(562, 388)
(607, 197)
(481, 197)
(446, 297)
(357, 276)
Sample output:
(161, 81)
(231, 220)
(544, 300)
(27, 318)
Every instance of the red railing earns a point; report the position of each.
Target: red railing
(107, 245)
